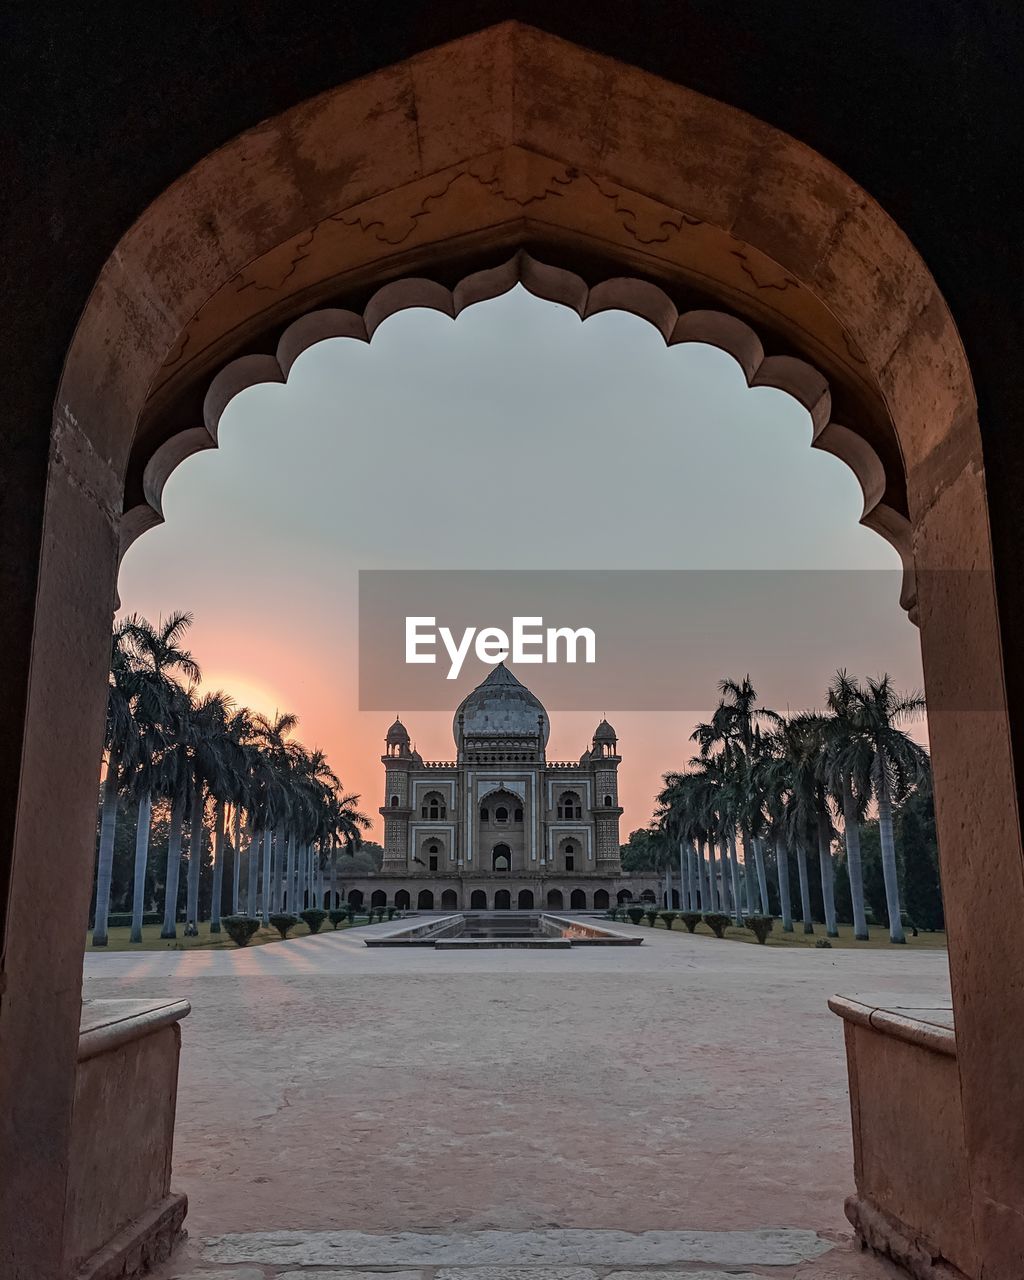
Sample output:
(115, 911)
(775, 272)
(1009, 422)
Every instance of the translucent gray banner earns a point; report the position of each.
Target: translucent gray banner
(661, 639)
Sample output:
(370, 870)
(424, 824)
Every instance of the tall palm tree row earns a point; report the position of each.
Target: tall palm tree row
(228, 778)
(792, 784)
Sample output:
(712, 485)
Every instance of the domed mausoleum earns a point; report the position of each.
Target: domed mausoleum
(501, 825)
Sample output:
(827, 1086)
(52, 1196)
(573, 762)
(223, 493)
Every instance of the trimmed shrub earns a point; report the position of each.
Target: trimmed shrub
(823, 944)
(314, 918)
(760, 927)
(669, 917)
(338, 916)
(636, 914)
(691, 919)
(391, 912)
(651, 916)
(240, 928)
(612, 913)
(717, 923)
(283, 921)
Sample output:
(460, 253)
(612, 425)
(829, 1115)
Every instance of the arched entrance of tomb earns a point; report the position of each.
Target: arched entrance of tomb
(262, 251)
(555, 899)
(578, 900)
(501, 858)
(478, 900)
(402, 900)
(503, 900)
(355, 899)
(425, 900)
(378, 898)
(601, 900)
(624, 895)
(449, 900)
(525, 900)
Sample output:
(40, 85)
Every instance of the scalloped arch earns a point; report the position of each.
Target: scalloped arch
(641, 298)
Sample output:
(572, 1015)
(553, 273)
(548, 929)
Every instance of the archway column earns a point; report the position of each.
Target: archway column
(49, 841)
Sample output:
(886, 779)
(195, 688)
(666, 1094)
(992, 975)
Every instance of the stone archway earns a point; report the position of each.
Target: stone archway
(528, 160)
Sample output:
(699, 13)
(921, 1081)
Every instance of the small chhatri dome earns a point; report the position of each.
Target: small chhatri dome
(604, 732)
(501, 707)
(398, 732)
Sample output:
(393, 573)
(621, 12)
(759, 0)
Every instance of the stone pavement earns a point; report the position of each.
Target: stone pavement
(688, 1084)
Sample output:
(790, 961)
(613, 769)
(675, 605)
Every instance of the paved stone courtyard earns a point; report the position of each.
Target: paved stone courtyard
(514, 1106)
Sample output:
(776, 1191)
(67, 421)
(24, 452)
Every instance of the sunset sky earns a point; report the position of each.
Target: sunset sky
(514, 438)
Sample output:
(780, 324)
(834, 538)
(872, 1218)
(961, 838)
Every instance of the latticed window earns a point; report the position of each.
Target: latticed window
(569, 806)
(433, 807)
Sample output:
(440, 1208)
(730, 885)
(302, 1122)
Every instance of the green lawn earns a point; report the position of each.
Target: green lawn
(117, 939)
(845, 941)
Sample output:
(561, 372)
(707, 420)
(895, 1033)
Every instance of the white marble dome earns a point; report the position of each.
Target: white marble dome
(502, 707)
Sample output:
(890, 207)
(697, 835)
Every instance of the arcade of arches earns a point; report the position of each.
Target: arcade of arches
(512, 157)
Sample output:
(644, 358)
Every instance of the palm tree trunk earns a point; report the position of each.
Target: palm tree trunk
(268, 837)
(105, 861)
(828, 887)
(785, 905)
(236, 861)
(762, 878)
(728, 889)
(691, 876)
(854, 867)
(195, 857)
(889, 874)
(702, 880)
(304, 865)
(707, 858)
(253, 869)
(734, 876)
(218, 867)
(708, 855)
(805, 886)
(141, 861)
(280, 842)
(334, 871)
(748, 873)
(289, 875)
(170, 929)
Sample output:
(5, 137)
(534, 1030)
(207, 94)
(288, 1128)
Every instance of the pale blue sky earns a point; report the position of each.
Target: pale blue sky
(515, 437)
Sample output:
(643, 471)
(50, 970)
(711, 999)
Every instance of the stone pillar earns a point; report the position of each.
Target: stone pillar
(58, 601)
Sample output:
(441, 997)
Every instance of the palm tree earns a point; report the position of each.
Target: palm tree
(272, 798)
(897, 764)
(160, 663)
(848, 761)
(791, 776)
(737, 722)
(120, 741)
(216, 758)
(176, 783)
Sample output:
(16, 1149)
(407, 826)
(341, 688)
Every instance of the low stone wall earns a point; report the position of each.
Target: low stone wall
(422, 934)
(582, 934)
(121, 1217)
(913, 1202)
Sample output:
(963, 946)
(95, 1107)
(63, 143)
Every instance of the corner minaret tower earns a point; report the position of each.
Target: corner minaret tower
(398, 760)
(605, 760)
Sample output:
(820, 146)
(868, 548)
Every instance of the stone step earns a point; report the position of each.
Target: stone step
(559, 1248)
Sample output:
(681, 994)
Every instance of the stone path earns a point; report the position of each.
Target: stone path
(684, 1084)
